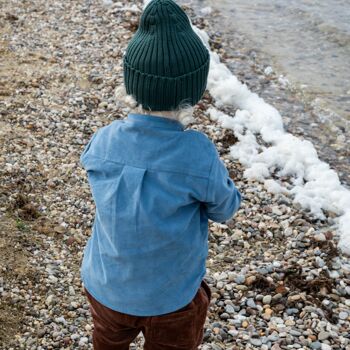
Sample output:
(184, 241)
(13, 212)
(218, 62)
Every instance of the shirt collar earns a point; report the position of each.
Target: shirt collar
(155, 121)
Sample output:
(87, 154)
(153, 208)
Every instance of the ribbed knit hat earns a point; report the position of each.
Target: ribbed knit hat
(165, 63)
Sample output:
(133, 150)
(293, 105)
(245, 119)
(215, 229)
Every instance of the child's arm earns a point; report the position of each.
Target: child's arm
(223, 198)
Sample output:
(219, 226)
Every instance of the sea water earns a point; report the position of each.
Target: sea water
(308, 41)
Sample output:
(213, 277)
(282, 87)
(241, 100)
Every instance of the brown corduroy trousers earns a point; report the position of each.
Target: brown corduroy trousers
(181, 329)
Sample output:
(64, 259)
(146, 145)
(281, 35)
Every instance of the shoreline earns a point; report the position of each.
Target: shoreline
(302, 117)
(310, 44)
(276, 275)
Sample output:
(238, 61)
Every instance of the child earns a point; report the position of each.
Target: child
(155, 186)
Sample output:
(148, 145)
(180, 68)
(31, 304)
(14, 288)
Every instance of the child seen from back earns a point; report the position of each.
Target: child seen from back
(155, 185)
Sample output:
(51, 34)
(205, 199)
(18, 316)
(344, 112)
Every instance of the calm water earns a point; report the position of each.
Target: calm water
(308, 41)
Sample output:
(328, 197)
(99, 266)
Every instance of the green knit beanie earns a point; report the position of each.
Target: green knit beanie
(166, 63)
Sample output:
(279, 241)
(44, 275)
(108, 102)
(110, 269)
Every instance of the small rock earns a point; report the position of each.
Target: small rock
(230, 309)
(59, 229)
(319, 262)
(320, 237)
(289, 322)
(224, 316)
(288, 231)
(50, 300)
(250, 280)
(255, 341)
(267, 299)
(267, 314)
(240, 279)
(323, 335)
(292, 311)
(275, 347)
(41, 332)
(315, 345)
(329, 235)
(274, 337)
(245, 324)
(295, 333)
(233, 332)
(83, 341)
(277, 297)
(251, 303)
(334, 274)
(293, 298)
(343, 315)
(276, 211)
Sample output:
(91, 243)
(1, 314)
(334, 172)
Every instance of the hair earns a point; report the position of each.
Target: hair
(183, 113)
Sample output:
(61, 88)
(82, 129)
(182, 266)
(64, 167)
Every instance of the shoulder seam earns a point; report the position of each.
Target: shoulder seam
(151, 168)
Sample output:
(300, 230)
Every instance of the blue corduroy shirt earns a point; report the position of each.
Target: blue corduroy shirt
(155, 185)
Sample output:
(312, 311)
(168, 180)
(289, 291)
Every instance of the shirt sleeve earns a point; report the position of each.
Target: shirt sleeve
(223, 198)
(86, 149)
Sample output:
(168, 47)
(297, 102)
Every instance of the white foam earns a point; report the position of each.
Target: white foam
(315, 186)
(274, 187)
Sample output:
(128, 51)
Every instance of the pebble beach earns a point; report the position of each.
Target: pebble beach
(278, 280)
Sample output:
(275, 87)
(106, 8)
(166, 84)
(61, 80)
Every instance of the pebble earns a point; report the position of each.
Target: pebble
(230, 309)
(275, 347)
(240, 279)
(233, 333)
(323, 335)
(250, 280)
(277, 297)
(295, 332)
(225, 316)
(293, 298)
(319, 262)
(267, 299)
(251, 303)
(50, 300)
(289, 322)
(315, 345)
(273, 337)
(320, 237)
(83, 341)
(343, 315)
(255, 341)
(276, 211)
(292, 311)
(47, 117)
(245, 324)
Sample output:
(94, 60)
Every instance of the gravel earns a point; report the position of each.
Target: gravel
(271, 270)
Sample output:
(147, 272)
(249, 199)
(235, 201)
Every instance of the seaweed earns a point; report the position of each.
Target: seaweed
(262, 283)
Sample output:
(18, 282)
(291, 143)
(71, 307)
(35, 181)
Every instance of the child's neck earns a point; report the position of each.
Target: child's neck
(165, 114)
